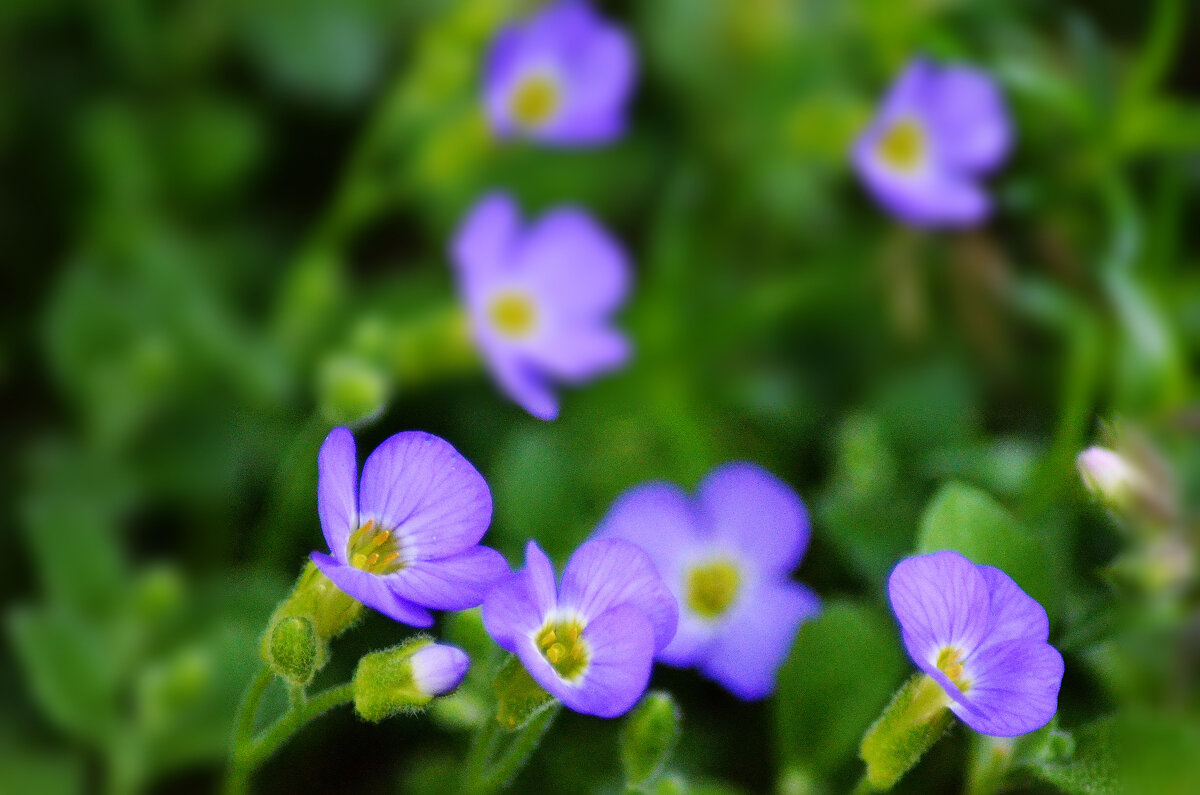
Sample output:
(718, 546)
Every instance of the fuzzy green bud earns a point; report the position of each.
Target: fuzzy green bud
(915, 719)
(648, 737)
(315, 597)
(519, 699)
(352, 391)
(294, 651)
(406, 678)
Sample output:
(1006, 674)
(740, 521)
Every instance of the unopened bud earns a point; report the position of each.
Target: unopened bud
(1109, 477)
(406, 678)
(352, 391)
(648, 737)
(294, 651)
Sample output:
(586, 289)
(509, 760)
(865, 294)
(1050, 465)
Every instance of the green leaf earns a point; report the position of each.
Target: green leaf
(69, 674)
(967, 520)
(648, 737)
(915, 719)
(843, 667)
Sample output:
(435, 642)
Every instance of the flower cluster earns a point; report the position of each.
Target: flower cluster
(726, 555)
(939, 131)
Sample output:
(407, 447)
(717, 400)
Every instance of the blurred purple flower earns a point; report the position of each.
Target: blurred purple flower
(437, 669)
(726, 555)
(984, 640)
(939, 131)
(540, 299)
(406, 540)
(562, 77)
(591, 641)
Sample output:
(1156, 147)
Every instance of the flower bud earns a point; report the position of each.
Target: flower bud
(316, 598)
(352, 391)
(406, 678)
(294, 651)
(1109, 477)
(648, 737)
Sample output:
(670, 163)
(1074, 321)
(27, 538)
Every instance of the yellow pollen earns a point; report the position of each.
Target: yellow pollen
(513, 314)
(712, 588)
(373, 549)
(563, 646)
(902, 146)
(535, 100)
(950, 662)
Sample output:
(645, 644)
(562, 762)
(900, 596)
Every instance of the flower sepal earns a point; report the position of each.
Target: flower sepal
(406, 678)
(519, 699)
(916, 718)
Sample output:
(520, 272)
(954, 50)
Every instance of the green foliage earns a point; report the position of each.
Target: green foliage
(967, 520)
(842, 669)
(519, 699)
(648, 736)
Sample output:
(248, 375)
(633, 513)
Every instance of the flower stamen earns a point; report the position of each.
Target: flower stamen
(950, 662)
(563, 646)
(902, 146)
(513, 314)
(535, 100)
(712, 588)
(374, 549)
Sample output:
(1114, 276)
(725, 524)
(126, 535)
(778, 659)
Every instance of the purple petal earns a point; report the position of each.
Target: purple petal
(1013, 688)
(909, 93)
(757, 513)
(578, 354)
(755, 640)
(483, 246)
(929, 198)
(969, 120)
(458, 582)
(337, 490)
(577, 268)
(438, 669)
(605, 573)
(941, 600)
(692, 643)
(659, 518)
(371, 591)
(419, 486)
(621, 642)
(598, 83)
(516, 608)
(1014, 614)
(522, 382)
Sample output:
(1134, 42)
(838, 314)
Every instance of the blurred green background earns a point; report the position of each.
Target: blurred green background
(224, 230)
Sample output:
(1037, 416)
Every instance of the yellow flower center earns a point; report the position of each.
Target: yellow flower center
(535, 100)
(950, 662)
(903, 145)
(563, 646)
(711, 588)
(513, 314)
(374, 550)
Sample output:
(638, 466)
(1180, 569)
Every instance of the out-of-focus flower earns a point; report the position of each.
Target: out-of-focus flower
(938, 132)
(973, 630)
(591, 641)
(541, 298)
(726, 555)
(406, 678)
(404, 540)
(564, 77)
(1112, 480)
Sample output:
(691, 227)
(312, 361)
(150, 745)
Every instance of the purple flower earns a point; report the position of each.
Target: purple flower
(540, 298)
(978, 635)
(940, 130)
(589, 642)
(404, 540)
(726, 555)
(437, 669)
(563, 77)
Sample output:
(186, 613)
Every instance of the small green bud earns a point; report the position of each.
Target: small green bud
(352, 391)
(915, 719)
(519, 699)
(406, 678)
(315, 597)
(158, 593)
(174, 685)
(294, 650)
(649, 736)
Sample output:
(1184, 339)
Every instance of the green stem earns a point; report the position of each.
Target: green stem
(482, 777)
(243, 726)
(249, 755)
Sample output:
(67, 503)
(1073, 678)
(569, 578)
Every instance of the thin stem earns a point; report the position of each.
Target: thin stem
(295, 719)
(518, 752)
(243, 726)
